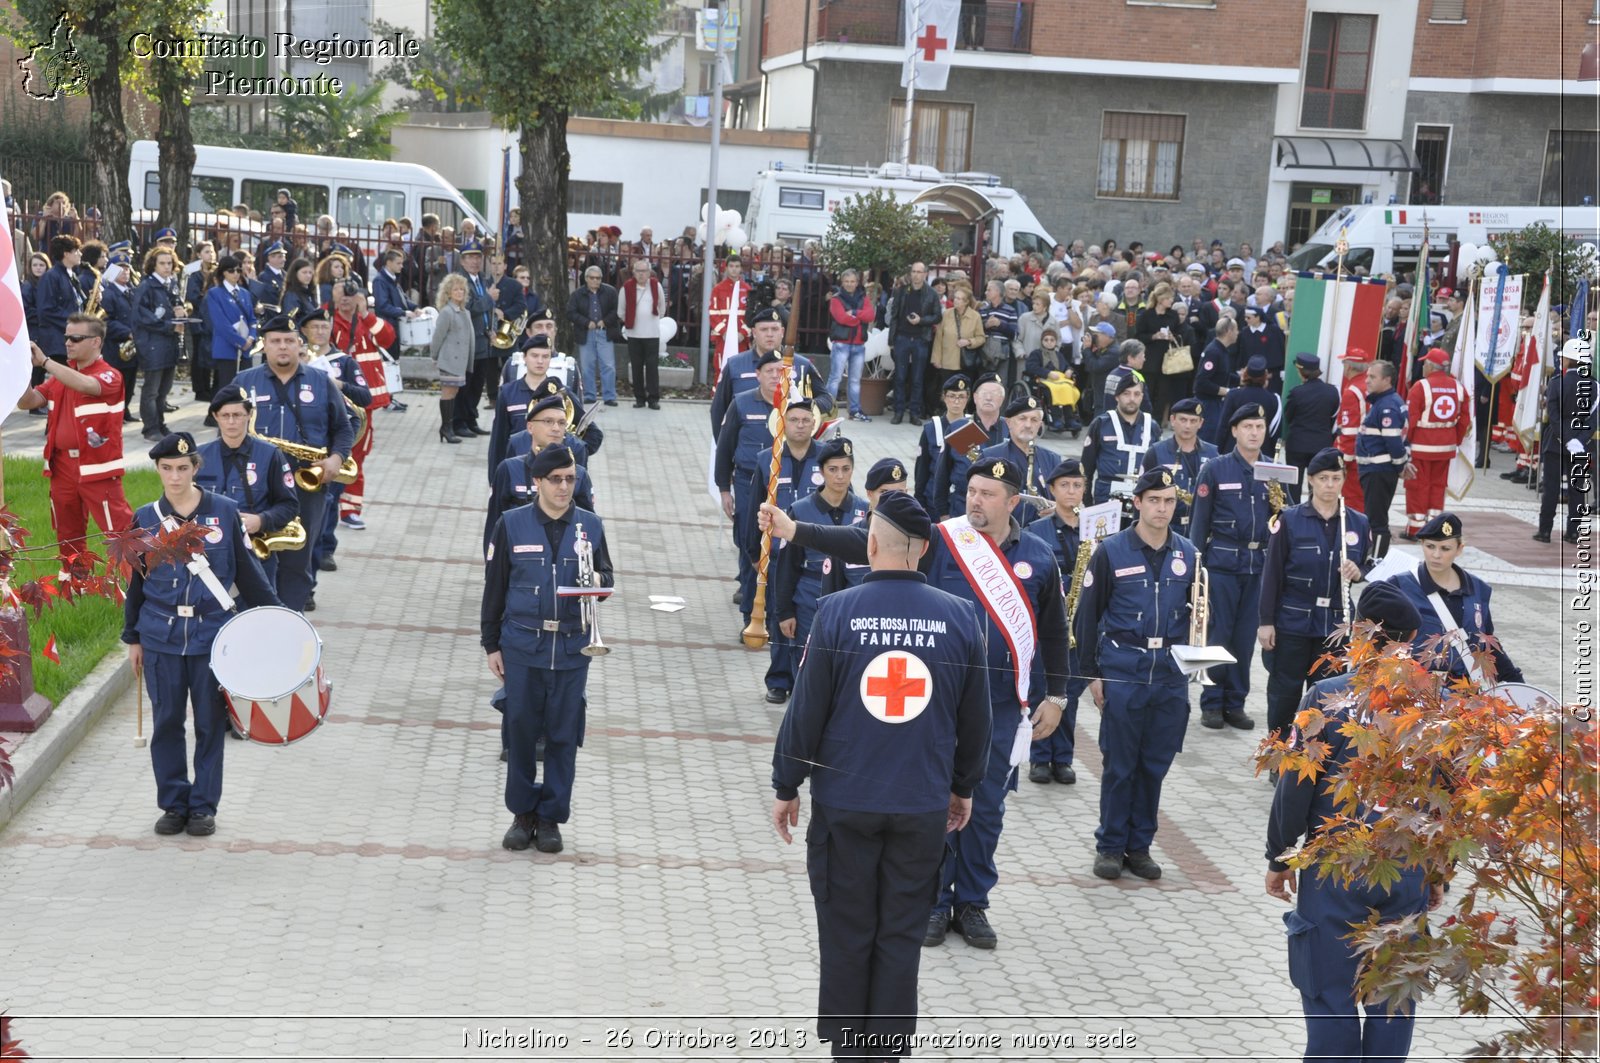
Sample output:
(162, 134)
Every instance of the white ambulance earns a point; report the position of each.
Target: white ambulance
(790, 204)
(1384, 238)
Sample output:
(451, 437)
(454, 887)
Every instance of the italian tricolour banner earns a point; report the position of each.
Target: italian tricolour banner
(1330, 317)
(1536, 352)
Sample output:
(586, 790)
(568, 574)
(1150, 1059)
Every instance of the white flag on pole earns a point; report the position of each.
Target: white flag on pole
(930, 35)
(1463, 364)
(16, 360)
(1525, 415)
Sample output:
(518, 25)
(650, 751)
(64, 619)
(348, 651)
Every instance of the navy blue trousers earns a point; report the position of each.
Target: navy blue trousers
(548, 704)
(1235, 616)
(296, 574)
(1057, 749)
(1141, 732)
(784, 653)
(969, 871)
(746, 507)
(174, 681)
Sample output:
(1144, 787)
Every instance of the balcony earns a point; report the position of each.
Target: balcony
(995, 26)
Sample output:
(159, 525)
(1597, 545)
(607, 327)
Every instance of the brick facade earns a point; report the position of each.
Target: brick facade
(1526, 39)
(1497, 142)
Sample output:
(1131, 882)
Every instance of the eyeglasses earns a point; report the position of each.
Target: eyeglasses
(550, 422)
(79, 339)
(561, 481)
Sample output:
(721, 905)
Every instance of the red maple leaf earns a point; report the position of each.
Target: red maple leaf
(38, 593)
(125, 550)
(10, 1047)
(175, 547)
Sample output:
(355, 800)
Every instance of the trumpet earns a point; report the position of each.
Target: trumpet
(291, 536)
(588, 605)
(1200, 614)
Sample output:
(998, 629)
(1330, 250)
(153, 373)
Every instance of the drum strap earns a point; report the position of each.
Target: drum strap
(1457, 638)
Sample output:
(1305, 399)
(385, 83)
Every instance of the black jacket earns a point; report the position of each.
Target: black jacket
(1309, 414)
(924, 302)
(578, 312)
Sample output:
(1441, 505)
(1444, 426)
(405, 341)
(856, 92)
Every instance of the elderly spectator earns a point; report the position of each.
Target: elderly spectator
(999, 329)
(1031, 325)
(644, 304)
(959, 341)
(592, 311)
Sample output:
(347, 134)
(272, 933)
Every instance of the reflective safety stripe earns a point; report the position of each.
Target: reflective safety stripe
(90, 408)
(106, 466)
(1432, 448)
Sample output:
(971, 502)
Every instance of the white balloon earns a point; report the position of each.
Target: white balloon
(730, 218)
(877, 344)
(669, 329)
(700, 233)
(1487, 253)
(703, 208)
(738, 236)
(1466, 254)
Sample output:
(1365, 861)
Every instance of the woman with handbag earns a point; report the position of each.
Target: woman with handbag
(957, 339)
(1167, 351)
(452, 348)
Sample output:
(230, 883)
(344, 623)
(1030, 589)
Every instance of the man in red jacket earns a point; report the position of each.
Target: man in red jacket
(364, 336)
(1439, 415)
(1352, 411)
(83, 436)
(643, 307)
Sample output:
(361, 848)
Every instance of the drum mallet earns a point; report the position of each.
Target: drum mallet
(138, 686)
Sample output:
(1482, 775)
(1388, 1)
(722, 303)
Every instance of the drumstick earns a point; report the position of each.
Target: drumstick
(138, 686)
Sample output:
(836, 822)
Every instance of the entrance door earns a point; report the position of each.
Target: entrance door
(1310, 205)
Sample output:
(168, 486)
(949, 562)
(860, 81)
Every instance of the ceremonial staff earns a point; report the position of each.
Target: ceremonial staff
(755, 632)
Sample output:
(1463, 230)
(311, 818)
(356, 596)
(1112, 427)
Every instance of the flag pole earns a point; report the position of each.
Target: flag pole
(911, 87)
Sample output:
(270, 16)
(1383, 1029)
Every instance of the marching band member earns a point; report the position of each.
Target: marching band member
(1310, 413)
(248, 471)
(1135, 607)
(195, 283)
(513, 484)
(1117, 439)
(232, 316)
(886, 475)
(1051, 758)
(1454, 605)
(1024, 421)
(156, 338)
(534, 639)
(541, 322)
(1439, 416)
(957, 393)
(729, 333)
(741, 464)
(116, 300)
(1303, 601)
(1215, 378)
(1381, 451)
(170, 618)
(949, 491)
(512, 404)
(1183, 452)
(363, 336)
(300, 405)
(987, 539)
(799, 474)
(346, 375)
(1352, 413)
(1566, 441)
(267, 288)
(1255, 389)
(1230, 527)
(57, 296)
(739, 373)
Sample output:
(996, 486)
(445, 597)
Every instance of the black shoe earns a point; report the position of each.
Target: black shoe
(655, 405)
(1237, 718)
(638, 404)
(328, 564)
(899, 417)
(1141, 864)
(547, 836)
(311, 604)
(201, 826)
(171, 823)
(153, 437)
(235, 735)
(1108, 865)
(520, 836)
(475, 430)
(1569, 538)
(1517, 476)
(1064, 774)
(168, 408)
(915, 421)
(1542, 537)
(1407, 536)
(973, 922)
(1038, 773)
(938, 927)
(611, 402)
(1211, 718)
(776, 696)
(447, 435)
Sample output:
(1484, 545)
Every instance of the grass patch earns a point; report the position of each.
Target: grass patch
(87, 629)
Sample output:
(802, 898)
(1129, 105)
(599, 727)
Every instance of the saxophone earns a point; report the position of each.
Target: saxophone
(309, 477)
(1080, 568)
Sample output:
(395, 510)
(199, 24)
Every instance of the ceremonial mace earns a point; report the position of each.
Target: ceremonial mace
(754, 635)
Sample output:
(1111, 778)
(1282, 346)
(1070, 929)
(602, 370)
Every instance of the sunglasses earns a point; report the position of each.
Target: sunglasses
(78, 339)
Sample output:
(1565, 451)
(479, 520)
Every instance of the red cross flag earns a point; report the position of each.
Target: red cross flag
(930, 34)
(16, 364)
(896, 686)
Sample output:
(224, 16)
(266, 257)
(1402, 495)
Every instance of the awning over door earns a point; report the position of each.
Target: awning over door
(1344, 153)
(971, 203)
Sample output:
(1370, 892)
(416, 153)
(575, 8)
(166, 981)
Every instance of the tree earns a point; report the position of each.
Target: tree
(872, 231)
(171, 82)
(550, 61)
(1505, 797)
(1538, 248)
(350, 126)
(437, 79)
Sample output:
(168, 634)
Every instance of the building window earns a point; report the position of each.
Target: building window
(1141, 155)
(1570, 172)
(1338, 56)
(1448, 11)
(1432, 145)
(369, 207)
(802, 198)
(941, 134)
(594, 197)
(309, 200)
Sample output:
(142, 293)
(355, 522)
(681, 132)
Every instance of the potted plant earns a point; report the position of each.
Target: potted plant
(676, 372)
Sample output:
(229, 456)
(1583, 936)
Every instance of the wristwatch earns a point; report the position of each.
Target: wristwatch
(1057, 700)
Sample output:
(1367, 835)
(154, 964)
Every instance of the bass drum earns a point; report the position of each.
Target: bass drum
(1525, 697)
(268, 662)
(418, 331)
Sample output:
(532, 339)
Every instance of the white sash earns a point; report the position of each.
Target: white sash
(995, 585)
(1455, 635)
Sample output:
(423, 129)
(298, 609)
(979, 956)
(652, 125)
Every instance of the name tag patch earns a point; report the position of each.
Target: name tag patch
(527, 548)
(1131, 570)
(1229, 487)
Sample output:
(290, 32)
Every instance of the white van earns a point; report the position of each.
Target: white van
(793, 204)
(1383, 238)
(358, 193)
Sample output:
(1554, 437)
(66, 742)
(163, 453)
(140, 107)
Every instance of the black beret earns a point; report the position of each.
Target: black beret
(550, 459)
(1128, 381)
(549, 402)
(1308, 360)
(548, 386)
(546, 314)
(173, 445)
(765, 315)
(1189, 404)
(957, 382)
(1328, 459)
(1250, 411)
(318, 314)
(227, 396)
(905, 513)
(1156, 479)
(1020, 405)
(277, 323)
(1384, 603)
(768, 359)
(998, 469)
(839, 447)
(541, 341)
(800, 404)
(987, 378)
(885, 471)
(1445, 526)
(1067, 467)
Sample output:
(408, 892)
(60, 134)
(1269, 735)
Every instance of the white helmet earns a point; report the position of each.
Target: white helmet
(1577, 349)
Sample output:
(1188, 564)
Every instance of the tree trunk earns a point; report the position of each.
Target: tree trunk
(176, 147)
(542, 188)
(108, 134)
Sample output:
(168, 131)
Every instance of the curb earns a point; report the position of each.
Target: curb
(46, 749)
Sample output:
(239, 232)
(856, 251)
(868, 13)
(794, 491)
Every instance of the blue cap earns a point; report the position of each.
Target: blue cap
(1256, 364)
(470, 246)
(318, 313)
(1188, 404)
(274, 248)
(885, 471)
(1441, 528)
(1305, 360)
(229, 395)
(767, 315)
(839, 447)
(1105, 329)
(173, 445)
(768, 359)
(1020, 405)
(1328, 459)
(551, 459)
(957, 382)
(1248, 412)
(905, 513)
(1157, 479)
(549, 402)
(1066, 467)
(165, 234)
(1387, 605)
(998, 469)
(277, 323)
(987, 378)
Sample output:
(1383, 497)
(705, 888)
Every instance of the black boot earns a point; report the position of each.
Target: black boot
(447, 432)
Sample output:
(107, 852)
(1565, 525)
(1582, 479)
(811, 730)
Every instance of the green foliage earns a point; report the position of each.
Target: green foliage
(871, 231)
(642, 101)
(351, 126)
(437, 80)
(1538, 248)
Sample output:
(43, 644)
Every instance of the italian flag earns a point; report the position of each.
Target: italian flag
(1330, 317)
(1393, 217)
